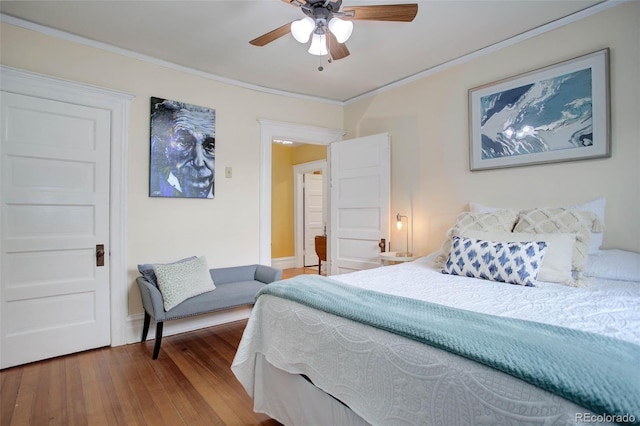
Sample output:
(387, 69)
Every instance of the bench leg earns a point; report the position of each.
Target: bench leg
(156, 348)
(145, 327)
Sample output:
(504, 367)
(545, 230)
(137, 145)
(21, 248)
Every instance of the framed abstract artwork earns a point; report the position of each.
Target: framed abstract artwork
(183, 146)
(557, 113)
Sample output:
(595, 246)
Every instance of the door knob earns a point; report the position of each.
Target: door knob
(382, 244)
(99, 254)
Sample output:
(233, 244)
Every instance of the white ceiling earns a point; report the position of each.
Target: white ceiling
(212, 37)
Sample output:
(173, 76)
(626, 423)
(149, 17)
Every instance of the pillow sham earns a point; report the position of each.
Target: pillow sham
(554, 220)
(596, 206)
(511, 262)
(614, 264)
(146, 269)
(179, 281)
(556, 266)
(502, 220)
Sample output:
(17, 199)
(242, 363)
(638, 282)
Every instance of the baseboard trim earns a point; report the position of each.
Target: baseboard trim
(135, 322)
(284, 262)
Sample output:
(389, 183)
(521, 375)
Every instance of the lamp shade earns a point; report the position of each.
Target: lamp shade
(318, 45)
(302, 29)
(341, 29)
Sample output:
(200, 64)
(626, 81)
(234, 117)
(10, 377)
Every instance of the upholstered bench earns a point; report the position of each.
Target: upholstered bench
(234, 286)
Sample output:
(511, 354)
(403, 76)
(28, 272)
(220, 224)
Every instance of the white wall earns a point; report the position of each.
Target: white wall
(427, 120)
(225, 229)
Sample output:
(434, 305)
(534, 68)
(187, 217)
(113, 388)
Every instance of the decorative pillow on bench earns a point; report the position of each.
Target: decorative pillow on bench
(179, 281)
(146, 269)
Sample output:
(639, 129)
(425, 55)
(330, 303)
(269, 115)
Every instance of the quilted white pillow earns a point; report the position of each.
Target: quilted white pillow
(179, 281)
(596, 206)
(556, 266)
(552, 220)
(511, 262)
(501, 220)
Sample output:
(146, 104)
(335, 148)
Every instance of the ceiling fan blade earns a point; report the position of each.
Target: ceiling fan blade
(337, 50)
(295, 2)
(271, 35)
(385, 12)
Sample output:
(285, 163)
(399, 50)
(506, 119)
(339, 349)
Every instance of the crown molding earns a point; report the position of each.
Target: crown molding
(597, 8)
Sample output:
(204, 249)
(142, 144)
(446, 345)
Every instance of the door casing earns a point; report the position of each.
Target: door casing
(118, 103)
(270, 130)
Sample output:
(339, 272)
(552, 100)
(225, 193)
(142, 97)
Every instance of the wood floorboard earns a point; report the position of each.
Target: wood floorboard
(191, 383)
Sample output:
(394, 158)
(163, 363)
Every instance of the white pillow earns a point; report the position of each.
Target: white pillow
(596, 207)
(614, 264)
(179, 281)
(479, 208)
(556, 265)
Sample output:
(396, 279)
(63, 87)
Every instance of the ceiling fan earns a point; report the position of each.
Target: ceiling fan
(329, 28)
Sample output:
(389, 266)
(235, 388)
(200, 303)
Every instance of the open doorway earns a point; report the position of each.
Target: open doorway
(310, 214)
(298, 202)
(270, 130)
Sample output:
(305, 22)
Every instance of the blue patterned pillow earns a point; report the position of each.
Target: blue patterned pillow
(513, 263)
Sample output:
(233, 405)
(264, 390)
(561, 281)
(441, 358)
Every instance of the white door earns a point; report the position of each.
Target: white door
(313, 216)
(54, 299)
(360, 202)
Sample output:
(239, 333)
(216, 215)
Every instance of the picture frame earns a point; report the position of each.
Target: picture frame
(182, 150)
(553, 114)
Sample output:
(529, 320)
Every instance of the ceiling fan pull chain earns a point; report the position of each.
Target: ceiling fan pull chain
(320, 67)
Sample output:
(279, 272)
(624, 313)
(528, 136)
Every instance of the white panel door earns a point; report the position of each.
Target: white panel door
(313, 216)
(55, 211)
(360, 187)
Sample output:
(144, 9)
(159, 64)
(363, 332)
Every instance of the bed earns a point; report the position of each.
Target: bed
(304, 363)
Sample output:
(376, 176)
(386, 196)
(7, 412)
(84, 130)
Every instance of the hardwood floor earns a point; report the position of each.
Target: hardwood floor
(288, 273)
(191, 383)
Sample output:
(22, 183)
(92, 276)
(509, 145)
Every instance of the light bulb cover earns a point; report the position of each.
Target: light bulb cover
(302, 29)
(318, 45)
(341, 29)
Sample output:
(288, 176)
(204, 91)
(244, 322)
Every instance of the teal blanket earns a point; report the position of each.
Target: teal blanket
(596, 372)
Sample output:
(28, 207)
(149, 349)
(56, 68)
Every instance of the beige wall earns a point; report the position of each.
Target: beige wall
(225, 229)
(427, 120)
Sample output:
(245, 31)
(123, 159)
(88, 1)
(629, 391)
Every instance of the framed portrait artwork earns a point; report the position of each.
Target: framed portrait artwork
(183, 147)
(557, 113)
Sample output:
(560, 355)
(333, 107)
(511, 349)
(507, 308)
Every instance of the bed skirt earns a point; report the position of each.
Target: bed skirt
(292, 400)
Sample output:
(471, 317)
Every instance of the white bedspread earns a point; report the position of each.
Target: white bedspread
(605, 307)
(387, 379)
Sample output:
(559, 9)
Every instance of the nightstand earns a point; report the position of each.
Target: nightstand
(393, 257)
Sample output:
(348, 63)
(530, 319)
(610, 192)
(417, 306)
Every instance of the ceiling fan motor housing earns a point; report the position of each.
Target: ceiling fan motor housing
(330, 28)
(321, 11)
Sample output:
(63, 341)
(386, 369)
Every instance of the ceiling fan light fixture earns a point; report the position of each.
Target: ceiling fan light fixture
(318, 45)
(341, 29)
(302, 29)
